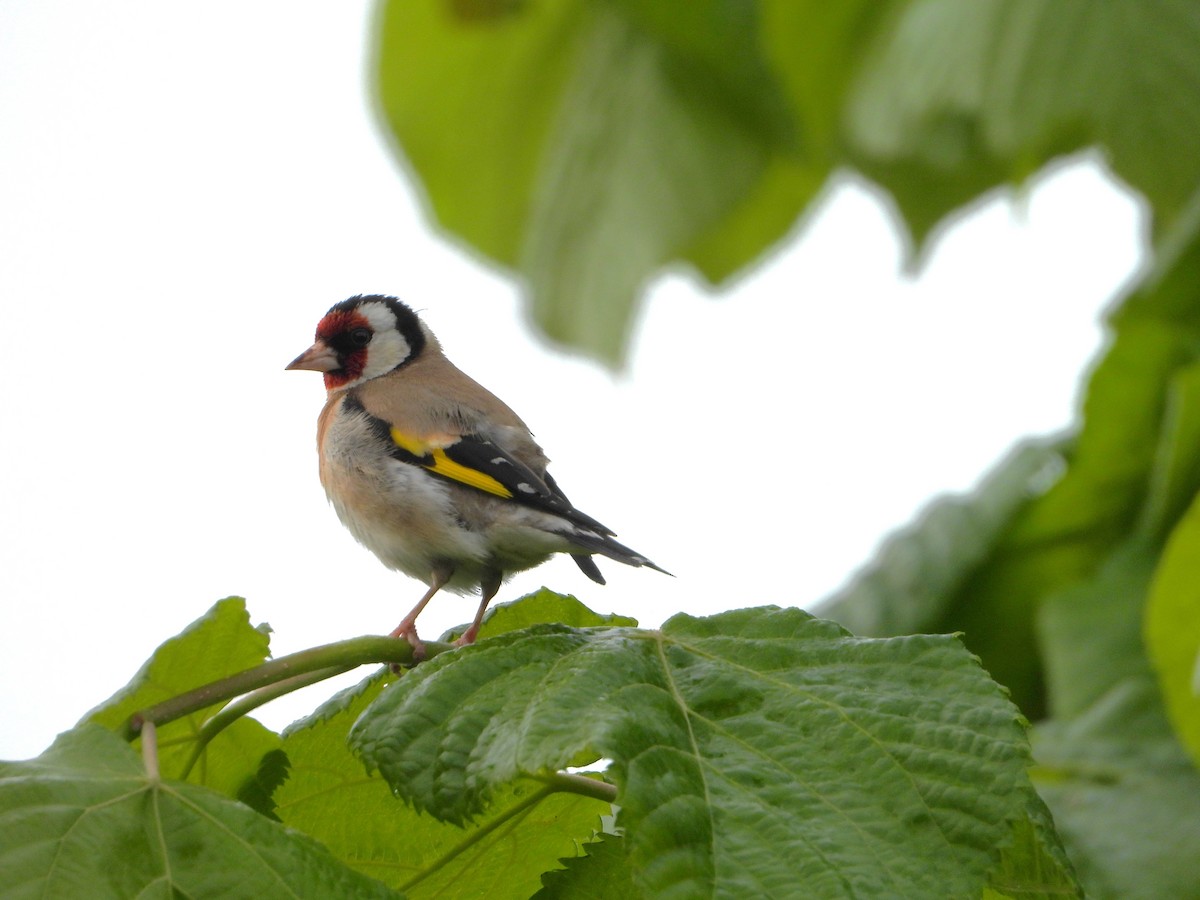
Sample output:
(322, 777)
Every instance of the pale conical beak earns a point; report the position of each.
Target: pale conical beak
(320, 357)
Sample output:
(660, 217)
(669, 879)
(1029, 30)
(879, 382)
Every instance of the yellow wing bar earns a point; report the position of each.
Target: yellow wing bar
(436, 460)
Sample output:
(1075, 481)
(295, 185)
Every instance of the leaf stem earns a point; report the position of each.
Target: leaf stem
(249, 702)
(553, 783)
(150, 750)
(466, 844)
(341, 655)
(580, 784)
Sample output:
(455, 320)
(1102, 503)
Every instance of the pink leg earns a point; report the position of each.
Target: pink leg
(407, 628)
(487, 588)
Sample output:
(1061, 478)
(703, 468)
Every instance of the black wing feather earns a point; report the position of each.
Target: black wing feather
(525, 485)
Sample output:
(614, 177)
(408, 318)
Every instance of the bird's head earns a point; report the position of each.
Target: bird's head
(362, 338)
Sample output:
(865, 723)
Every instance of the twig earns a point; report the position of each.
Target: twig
(252, 701)
(343, 655)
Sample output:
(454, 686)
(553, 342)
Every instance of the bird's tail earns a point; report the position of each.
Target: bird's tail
(605, 545)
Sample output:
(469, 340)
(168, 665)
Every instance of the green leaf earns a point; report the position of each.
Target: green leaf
(1125, 797)
(588, 145)
(1108, 759)
(1105, 486)
(715, 45)
(817, 48)
(471, 104)
(330, 796)
(638, 166)
(1125, 478)
(258, 792)
(1172, 629)
(914, 577)
(752, 750)
(84, 820)
(1034, 863)
(602, 872)
(539, 608)
(1090, 633)
(1175, 476)
(814, 49)
(765, 215)
(220, 643)
(959, 97)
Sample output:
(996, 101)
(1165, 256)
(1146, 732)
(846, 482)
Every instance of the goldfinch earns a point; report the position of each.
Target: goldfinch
(429, 470)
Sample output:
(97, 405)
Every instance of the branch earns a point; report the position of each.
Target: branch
(342, 656)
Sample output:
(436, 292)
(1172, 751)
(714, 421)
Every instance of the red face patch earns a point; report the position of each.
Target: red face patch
(353, 361)
(343, 376)
(342, 320)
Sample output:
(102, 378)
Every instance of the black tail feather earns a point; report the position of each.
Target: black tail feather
(606, 546)
(588, 566)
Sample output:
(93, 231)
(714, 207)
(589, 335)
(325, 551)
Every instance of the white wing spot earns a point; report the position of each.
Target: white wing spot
(526, 488)
(500, 459)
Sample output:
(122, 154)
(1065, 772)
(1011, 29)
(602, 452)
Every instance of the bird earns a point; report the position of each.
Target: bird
(432, 472)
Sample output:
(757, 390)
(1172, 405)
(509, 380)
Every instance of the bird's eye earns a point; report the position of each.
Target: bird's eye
(360, 337)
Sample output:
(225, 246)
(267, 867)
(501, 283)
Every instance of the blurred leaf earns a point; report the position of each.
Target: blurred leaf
(816, 48)
(1175, 477)
(764, 215)
(84, 820)
(715, 46)
(472, 105)
(330, 796)
(222, 642)
(960, 97)
(1125, 797)
(1098, 501)
(753, 751)
(1173, 630)
(1109, 767)
(1090, 633)
(1126, 475)
(913, 578)
(588, 144)
(637, 167)
(617, 166)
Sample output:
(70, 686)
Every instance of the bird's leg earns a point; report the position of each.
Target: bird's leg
(487, 588)
(407, 628)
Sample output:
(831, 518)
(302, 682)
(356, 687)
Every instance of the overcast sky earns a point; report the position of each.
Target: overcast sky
(185, 189)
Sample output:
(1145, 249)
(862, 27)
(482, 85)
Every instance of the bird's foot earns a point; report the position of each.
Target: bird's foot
(408, 631)
(467, 637)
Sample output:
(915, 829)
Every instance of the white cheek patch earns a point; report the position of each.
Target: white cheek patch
(386, 351)
(388, 348)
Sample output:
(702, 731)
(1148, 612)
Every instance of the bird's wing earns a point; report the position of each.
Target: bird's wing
(479, 462)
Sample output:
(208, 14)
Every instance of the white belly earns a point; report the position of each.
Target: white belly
(399, 512)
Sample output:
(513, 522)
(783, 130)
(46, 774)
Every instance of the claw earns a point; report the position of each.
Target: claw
(408, 631)
(468, 636)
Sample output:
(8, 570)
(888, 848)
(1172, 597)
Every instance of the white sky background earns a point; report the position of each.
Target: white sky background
(185, 189)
